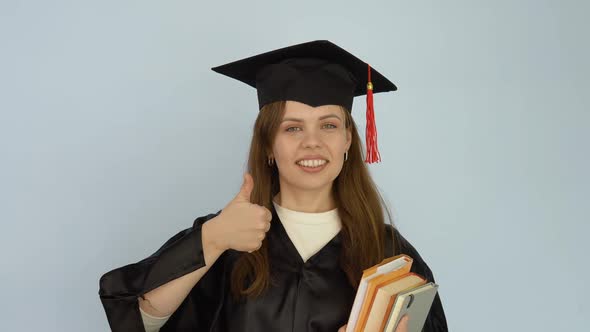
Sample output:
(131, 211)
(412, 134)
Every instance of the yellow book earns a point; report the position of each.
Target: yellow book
(385, 297)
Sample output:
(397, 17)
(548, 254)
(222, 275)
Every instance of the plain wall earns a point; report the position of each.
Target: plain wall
(115, 134)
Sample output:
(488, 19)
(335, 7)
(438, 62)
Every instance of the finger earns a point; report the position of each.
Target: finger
(263, 226)
(255, 240)
(342, 329)
(251, 251)
(268, 215)
(403, 324)
(253, 234)
(246, 189)
(255, 249)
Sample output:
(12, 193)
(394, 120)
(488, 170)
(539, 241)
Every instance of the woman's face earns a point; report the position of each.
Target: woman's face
(310, 133)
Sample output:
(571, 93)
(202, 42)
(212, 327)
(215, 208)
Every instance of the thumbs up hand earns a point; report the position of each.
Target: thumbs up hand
(242, 225)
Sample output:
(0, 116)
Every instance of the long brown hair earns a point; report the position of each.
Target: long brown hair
(360, 207)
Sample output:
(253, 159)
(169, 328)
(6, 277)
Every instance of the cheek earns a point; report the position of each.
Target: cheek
(281, 149)
(337, 143)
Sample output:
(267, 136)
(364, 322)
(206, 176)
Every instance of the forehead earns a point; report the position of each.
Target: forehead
(304, 111)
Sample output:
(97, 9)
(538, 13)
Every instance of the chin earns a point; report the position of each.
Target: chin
(313, 181)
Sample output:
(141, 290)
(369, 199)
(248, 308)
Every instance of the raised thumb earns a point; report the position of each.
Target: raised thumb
(246, 189)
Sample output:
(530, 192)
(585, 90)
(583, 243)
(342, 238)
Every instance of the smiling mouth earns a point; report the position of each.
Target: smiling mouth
(312, 164)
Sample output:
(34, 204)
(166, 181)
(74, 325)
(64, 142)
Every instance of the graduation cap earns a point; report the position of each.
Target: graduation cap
(315, 73)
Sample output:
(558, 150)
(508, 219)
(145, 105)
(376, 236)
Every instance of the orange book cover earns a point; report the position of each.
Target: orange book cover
(377, 281)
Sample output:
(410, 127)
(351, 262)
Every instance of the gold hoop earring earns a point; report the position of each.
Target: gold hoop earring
(271, 161)
(346, 156)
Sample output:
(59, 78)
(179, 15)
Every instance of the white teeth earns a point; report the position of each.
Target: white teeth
(312, 163)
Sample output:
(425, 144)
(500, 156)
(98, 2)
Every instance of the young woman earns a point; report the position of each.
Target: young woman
(288, 251)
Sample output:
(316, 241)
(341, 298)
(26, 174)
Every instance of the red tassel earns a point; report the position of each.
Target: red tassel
(373, 155)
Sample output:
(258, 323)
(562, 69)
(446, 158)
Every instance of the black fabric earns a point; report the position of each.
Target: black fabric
(311, 296)
(315, 73)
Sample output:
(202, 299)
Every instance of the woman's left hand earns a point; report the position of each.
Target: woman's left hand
(402, 327)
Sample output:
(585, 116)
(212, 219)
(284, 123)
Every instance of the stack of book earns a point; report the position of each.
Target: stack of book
(386, 293)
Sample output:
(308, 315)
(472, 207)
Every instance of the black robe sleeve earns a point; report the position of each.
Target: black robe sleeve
(436, 320)
(180, 255)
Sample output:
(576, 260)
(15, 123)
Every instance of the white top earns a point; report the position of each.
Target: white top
(152, 323)
(309, 232)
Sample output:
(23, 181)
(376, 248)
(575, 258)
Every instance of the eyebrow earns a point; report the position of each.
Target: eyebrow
(321, 118)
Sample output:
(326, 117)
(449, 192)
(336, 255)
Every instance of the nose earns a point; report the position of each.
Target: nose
(311, 138)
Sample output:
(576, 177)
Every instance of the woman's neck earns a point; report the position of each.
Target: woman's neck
(310, 202)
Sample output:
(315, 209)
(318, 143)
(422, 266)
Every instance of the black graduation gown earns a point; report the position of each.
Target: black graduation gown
(311, 296)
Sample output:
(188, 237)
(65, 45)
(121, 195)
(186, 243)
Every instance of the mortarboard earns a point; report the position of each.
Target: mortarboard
(315, 73)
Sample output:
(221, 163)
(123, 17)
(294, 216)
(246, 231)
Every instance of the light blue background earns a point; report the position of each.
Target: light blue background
(115, 134)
